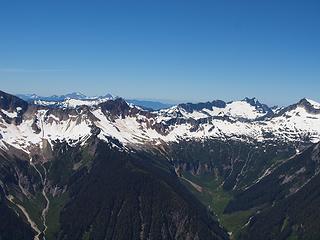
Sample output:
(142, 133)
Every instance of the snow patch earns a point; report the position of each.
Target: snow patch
(10, 114)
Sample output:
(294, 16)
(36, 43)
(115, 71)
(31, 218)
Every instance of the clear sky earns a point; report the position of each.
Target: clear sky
(167, 49)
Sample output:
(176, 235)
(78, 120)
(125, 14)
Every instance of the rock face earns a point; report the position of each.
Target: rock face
(287, 197)
(143, 202)
(9, 102)
(12, 227)
(12, 108)
(190, 107)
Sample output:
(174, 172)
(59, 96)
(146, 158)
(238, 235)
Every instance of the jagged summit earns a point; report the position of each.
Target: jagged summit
(302, 107)
(313, 103)
(309, 104)
(248, 108)
(252, 100)
(190, 107)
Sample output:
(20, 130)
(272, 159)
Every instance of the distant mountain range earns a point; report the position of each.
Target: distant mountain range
(147, 104)
(74, 95)
(77, 167)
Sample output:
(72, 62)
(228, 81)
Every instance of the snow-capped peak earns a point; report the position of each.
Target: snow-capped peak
(74, 95)
(72, 102)
(246, 109)
(314, 104)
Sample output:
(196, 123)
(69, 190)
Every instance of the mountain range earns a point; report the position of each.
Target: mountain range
(147, 104)
(77, 167)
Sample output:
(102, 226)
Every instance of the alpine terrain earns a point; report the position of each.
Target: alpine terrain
(78, 167)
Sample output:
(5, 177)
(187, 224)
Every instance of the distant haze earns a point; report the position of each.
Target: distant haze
(175, 50)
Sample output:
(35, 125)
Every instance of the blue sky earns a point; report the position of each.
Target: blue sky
(172, 50)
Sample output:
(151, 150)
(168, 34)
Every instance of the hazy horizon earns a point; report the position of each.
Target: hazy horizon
(165, 101)
(173, 51)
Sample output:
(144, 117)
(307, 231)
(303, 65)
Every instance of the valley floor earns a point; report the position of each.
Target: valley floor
(209, 191)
